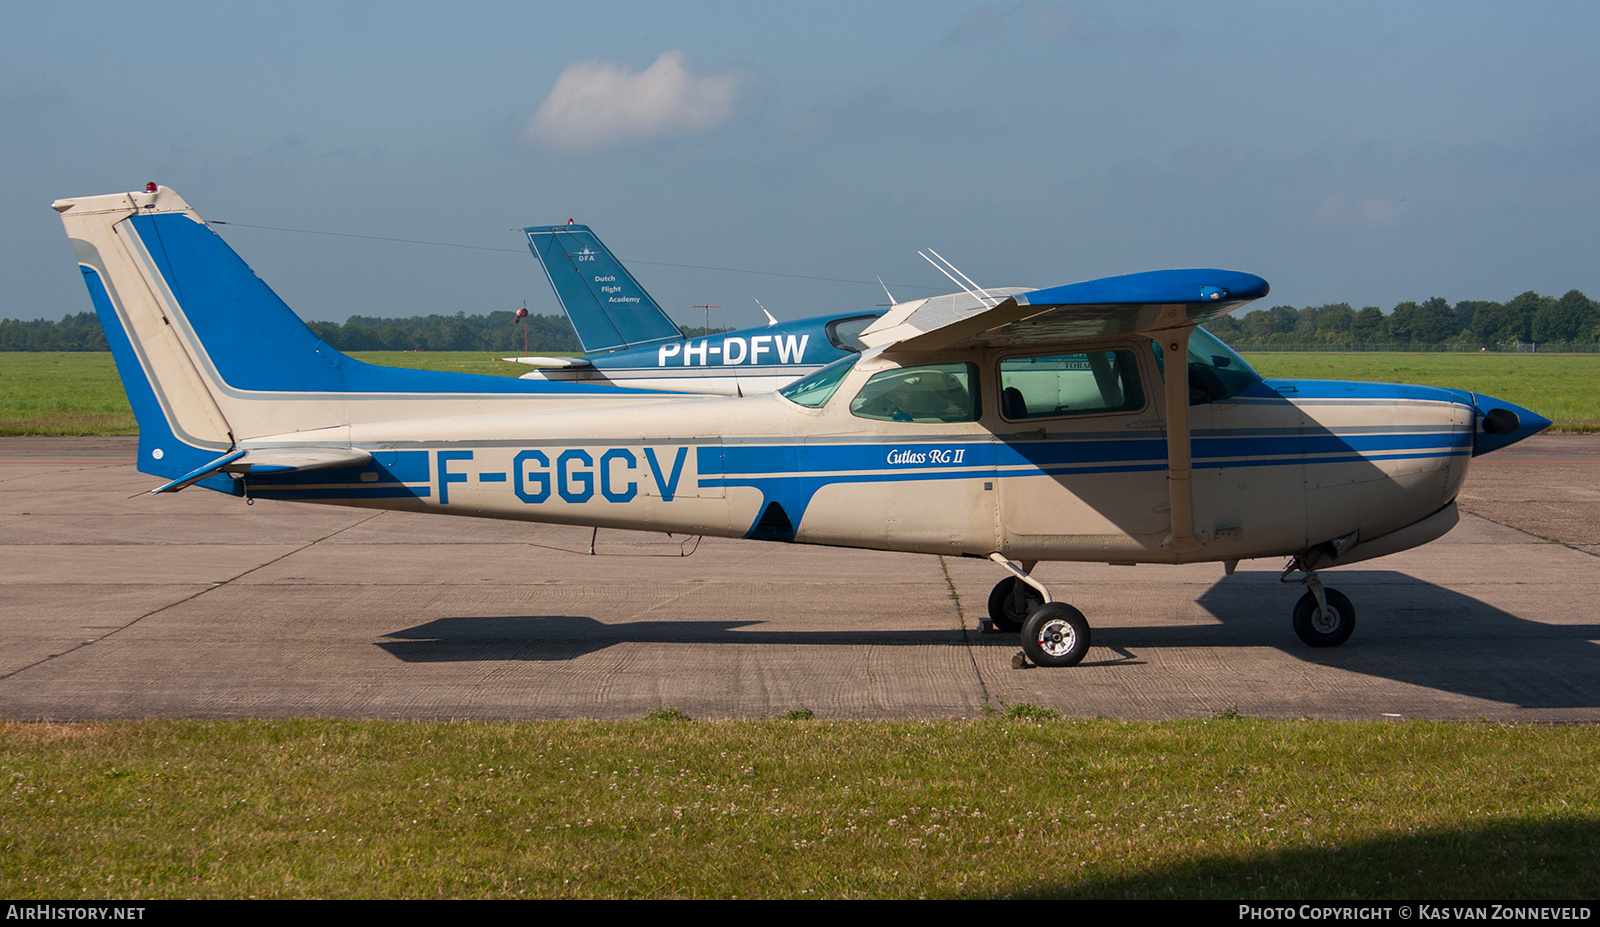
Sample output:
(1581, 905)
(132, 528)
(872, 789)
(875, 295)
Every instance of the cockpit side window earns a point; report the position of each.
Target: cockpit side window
(931, 393)
(1215, 371)
(845, 334)
(1089, 383)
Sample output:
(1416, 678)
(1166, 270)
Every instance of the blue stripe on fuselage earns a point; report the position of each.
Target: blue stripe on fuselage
(791, 474)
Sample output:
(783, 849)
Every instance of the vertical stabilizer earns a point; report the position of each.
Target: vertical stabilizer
(212, 358)
(180, 424)
(607, 307)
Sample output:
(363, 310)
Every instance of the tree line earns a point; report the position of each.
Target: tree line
(1527, 319)
(494, 333)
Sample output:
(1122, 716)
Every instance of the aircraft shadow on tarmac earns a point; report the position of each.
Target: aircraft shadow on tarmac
(1407, 630)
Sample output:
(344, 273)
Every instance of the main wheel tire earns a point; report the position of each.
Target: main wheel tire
(1011, 602)
(1055, 635)
(1324, 630)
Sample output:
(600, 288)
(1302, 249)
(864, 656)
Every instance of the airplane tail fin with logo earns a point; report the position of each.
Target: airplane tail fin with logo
(607, 307)
(222, 376)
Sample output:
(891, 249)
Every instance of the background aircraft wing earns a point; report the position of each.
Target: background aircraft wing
(1146, 302)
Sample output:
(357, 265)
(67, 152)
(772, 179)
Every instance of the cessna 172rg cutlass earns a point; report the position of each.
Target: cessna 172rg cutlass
(1013, 424)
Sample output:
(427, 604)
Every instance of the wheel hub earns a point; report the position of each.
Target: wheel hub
(1326, 621)
(1057, 638)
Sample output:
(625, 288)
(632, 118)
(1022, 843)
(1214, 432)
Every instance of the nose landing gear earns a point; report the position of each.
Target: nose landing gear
(1323, 617)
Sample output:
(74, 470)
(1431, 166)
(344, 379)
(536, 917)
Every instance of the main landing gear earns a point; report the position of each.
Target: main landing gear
(1053, 633)
(1056, 634)
(1323, 617)
(1011, 602)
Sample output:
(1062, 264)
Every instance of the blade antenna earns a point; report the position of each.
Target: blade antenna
(770, 320)
(886, 292)
(992, 300)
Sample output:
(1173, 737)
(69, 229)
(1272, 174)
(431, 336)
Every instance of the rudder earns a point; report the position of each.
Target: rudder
(180, 424)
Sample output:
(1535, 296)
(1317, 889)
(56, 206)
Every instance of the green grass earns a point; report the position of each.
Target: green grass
(1030, 807)
(56, 393)
(458, 361)
(1564, 388)
(62, 394)
(79, 394)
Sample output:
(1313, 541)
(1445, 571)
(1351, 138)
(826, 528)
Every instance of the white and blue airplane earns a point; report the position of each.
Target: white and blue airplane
(1011, 424)
(629, 341)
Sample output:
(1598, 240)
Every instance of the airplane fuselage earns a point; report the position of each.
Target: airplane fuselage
(734, 363)
(1278, 468)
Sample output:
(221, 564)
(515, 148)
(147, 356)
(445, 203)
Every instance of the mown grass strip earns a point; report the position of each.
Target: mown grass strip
(1561, 387)
(62, 394)
(79, 393)
(1026, 806)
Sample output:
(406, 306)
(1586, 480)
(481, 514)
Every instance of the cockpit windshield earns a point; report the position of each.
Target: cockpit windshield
(1215, 371)
(814, 391)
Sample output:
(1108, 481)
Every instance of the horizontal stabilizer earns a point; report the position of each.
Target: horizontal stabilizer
(286, 459)
(549, 361)
(1147, 302)
(262, 460)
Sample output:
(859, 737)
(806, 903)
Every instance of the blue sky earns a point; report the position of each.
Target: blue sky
(1354, 151)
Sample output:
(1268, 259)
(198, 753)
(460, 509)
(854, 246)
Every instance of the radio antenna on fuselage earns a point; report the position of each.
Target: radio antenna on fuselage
(886, 292)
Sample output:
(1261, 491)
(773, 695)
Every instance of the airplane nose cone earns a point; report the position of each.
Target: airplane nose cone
(1501, 424)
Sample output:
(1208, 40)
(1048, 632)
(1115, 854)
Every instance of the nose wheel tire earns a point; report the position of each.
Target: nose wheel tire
(1055, 635)
(1011, 602)
(1324, 629)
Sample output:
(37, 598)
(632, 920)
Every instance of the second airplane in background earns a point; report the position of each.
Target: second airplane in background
(629, 341)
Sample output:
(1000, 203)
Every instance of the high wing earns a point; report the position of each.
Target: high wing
(1162, 300)
(1166, 304)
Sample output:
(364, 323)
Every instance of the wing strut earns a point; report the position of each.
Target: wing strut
(1180, 485)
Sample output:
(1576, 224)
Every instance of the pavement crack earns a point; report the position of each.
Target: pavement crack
(966, 632)
(215, 584)
(1544, 538)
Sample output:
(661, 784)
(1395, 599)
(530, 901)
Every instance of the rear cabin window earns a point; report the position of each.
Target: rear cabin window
(1091, 383)
(932, 393)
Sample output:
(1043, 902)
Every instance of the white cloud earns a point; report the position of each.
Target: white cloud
(1370, 212)
(599, 104)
